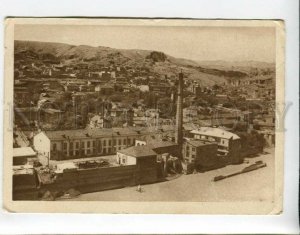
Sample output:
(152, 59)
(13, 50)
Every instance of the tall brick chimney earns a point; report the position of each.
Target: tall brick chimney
(178, 131)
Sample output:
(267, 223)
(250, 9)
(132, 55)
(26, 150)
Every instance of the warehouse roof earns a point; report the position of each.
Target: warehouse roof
(138, 151)
(102, 132)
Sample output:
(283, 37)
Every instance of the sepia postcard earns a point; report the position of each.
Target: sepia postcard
(144, 116)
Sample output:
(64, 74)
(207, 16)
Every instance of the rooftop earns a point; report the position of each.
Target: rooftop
(154, 144)
(23, 152)
(138, 151)
(101, 132)
(215, 132)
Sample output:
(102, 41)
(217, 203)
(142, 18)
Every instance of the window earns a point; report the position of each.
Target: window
(114, 142)
(193, 149)
(88, 144)
(120, 142)
(187, 147)
(109, 142)
(123, 160)
(54, 146)
(124, 141)
(99, 146)
(71, 145)
(65, 145)
(77, 145)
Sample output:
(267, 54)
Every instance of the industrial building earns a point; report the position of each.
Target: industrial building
(72, 144)
(201, 155)
(229, 144)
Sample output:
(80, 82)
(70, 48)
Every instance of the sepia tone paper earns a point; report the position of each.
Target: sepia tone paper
(179, 39)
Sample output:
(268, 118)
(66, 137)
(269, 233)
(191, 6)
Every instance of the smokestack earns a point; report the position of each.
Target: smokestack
(178, 131)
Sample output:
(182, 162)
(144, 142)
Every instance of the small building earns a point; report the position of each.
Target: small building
(145, 160)
(202, 154)
(160, 147)
(22, 155)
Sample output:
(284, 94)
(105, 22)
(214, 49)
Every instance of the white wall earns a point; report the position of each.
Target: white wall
(41, 144)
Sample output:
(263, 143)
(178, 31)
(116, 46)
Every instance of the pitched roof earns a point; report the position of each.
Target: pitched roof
(215, 132)
(102, 132)
(138, 151)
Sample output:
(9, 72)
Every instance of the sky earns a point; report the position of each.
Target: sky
(197, 43)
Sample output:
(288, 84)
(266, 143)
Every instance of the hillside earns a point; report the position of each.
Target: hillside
(155, 63)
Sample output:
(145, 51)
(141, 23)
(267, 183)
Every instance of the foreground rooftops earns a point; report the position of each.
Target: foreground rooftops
(215, 132)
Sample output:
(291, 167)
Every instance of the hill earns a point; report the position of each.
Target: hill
(154, 62)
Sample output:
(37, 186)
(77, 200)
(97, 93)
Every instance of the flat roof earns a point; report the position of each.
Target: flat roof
(23, 152)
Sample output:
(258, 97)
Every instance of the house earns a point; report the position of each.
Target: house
(229, 144)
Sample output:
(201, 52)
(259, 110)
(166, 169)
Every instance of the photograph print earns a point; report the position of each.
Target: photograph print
(143, 116)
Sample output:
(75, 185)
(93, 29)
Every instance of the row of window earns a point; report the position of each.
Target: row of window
(222, 141)
(92, 143)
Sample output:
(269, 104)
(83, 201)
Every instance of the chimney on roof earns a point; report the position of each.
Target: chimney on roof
(178, 131)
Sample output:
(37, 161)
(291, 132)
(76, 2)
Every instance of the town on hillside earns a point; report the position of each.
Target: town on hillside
(88, 119)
